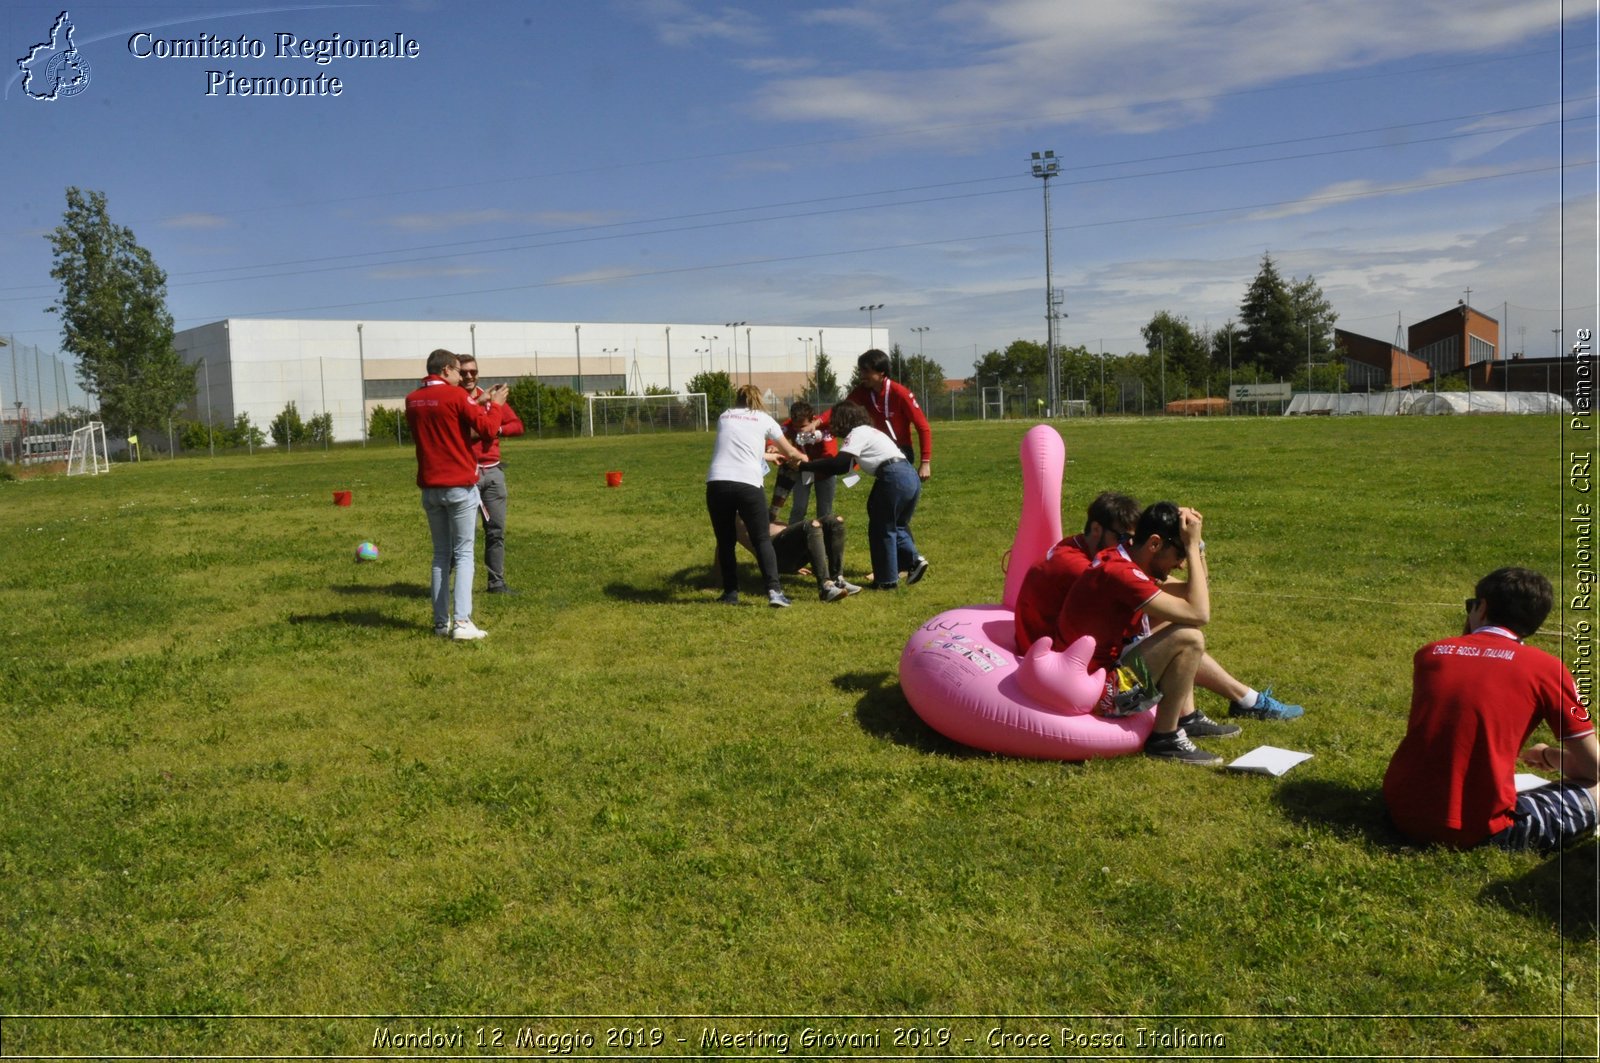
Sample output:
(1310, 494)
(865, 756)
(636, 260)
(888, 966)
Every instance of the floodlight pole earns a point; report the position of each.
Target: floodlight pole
(872, 339)
(577, 343)
(211, 440)
(669, 358)
(361, 364)
(733, 366)
(1046, 166)
(919, 330)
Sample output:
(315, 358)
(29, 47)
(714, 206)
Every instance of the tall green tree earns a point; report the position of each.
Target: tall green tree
(1174, 346)
(717, 388)
(1312, 307)
(114, 318)
(1267, 327)
(823, 384)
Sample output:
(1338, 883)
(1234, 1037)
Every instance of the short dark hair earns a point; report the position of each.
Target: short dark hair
(800, 412)
(1515, 598)
(1160, 519)
(1112, 511)
(846, 417)
(440, 360)
(874, 360)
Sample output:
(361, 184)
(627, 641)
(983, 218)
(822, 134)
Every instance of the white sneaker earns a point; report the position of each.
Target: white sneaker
(466, 630)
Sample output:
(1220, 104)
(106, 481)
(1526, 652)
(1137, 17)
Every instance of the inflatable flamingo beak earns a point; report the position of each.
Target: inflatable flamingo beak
(1062, 682)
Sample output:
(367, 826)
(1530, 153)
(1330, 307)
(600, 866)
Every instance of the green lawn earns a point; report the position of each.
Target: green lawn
(242, 779)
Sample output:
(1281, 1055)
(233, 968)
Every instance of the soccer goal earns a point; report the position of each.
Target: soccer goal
(621, 415)
(88, 454)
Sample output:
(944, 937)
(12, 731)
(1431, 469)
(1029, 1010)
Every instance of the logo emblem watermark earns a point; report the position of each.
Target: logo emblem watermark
(55, 68)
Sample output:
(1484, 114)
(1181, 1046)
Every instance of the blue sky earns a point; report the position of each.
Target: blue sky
(672, 160)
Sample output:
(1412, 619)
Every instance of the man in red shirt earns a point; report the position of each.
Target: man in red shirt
(1474, 700)
(1110, 522)
(1113, 603)
(491, 478)
(441, 417)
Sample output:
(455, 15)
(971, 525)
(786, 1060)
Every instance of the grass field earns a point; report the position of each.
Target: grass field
(242, 779)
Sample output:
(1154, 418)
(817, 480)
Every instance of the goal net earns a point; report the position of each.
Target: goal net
(618, 415)
(88, 454)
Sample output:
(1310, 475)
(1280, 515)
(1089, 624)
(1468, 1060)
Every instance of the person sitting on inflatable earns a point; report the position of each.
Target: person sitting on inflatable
(1110, 603)
(1110, 523)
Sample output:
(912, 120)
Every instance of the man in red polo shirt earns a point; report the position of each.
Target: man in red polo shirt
(1474, 700)
(1110, 522)
(491, 479)
(442, 417)
(1113, 603)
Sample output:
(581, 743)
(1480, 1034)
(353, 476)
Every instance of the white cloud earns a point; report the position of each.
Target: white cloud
(460, 219)
(680, 24)
(196, 220)
(1138, 65)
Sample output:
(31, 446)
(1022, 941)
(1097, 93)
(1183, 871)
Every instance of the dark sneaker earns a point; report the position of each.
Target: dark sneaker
(918, 569)
(1267, 707)
(777, 599)
(501, 588)
(1198, 725)
(831, 592)
(1176, 746)
(729, 598)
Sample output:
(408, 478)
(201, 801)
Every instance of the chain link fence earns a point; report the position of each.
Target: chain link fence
(41, 403)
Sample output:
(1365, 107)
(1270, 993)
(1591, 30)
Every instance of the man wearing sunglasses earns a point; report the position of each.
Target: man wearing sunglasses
(1111, 519)
(1474, 700)
(491, 479)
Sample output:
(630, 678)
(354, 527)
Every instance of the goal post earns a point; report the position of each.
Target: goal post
(88, 454)
(614, 415)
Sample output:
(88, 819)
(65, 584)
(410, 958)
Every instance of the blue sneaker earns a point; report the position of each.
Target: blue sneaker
(777, 599)
(1267, 708)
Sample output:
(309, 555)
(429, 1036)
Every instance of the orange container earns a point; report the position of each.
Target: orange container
(614, 479)
(341, 498)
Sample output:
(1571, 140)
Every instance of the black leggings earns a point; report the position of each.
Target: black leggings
(726, 499)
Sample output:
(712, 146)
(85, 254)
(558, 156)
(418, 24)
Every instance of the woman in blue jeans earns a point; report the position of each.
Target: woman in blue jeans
(895, 490)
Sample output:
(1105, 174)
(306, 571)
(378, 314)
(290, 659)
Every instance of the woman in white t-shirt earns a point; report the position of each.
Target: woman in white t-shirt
(895, 490)
(734, 488)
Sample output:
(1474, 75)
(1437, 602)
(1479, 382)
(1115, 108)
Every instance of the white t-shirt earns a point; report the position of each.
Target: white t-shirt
(871, 448)
(741, 443)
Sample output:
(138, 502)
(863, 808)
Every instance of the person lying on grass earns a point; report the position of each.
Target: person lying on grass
(1474, 700)
(810, 548)
(1109, 524)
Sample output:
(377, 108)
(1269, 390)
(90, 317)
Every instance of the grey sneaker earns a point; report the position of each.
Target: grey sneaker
(1198, 725)
(778, 600)
(846, 586)
(1176, 746)
(831, 592)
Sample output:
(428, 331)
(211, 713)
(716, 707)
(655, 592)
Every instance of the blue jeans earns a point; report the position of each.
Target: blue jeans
(895, 490)
(452, 522)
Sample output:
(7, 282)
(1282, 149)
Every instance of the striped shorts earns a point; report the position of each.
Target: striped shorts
(1549, 818)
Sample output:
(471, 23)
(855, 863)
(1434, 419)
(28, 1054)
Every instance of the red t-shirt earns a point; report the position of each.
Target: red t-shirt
(486, 449)
(1475, 699)
(824, 446)
(440, 415)
(1106, 603)
(894, 412)
(1045, 587)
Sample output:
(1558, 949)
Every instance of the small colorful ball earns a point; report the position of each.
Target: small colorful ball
(366, 552)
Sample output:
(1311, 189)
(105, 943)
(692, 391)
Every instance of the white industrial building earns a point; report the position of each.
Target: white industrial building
(256, 366)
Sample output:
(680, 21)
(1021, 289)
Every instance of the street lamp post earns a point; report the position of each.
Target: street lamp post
(733, 366)
(872, 339)
(711, 353)
(919, 330)
(1046, 166)
(577, 343)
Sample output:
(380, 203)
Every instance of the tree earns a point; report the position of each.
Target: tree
(1172, 341)
(925, 377)
(1268, 329)
(718, 389)
(114, 318)
(823, 383)
(287, 428)
(1310, 305)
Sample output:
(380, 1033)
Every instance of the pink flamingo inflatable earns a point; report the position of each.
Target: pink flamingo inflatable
(961, 673)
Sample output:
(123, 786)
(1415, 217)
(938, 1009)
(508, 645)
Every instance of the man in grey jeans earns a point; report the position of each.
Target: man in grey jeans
(491, 480)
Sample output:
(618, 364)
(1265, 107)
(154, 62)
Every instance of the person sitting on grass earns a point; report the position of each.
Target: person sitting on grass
(1474, 700)
(893, 501)
(810, 547)
(1110, 523)
(1113, 602)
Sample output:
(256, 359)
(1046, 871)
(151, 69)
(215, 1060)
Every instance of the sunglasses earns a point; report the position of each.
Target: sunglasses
(1471, 604)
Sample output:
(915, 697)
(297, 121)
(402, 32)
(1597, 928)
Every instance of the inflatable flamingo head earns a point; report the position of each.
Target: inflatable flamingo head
(1044, 460)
